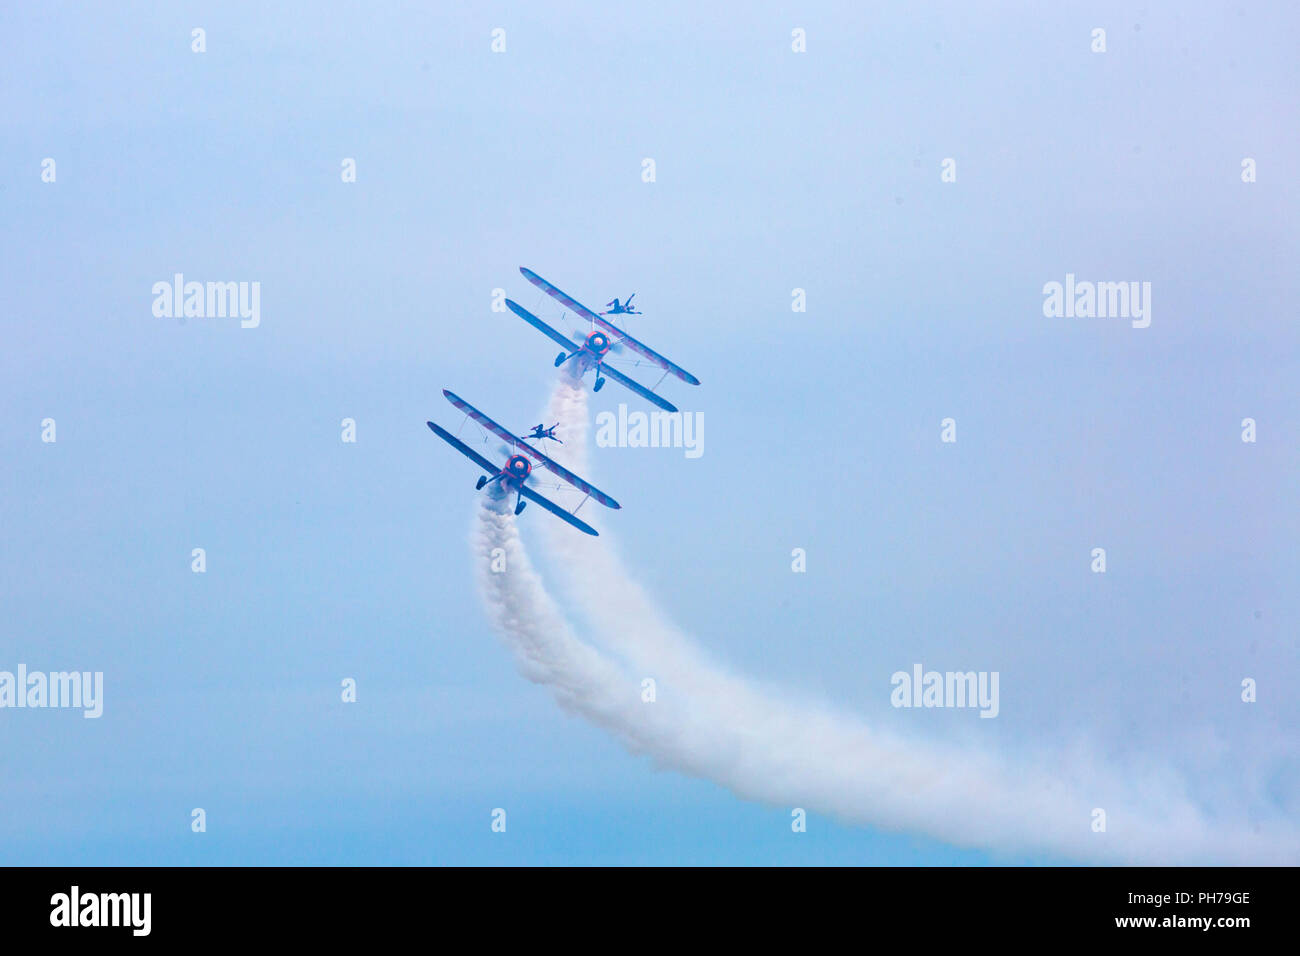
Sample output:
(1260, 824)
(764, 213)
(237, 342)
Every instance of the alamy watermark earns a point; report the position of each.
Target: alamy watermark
(80, 689)
(1098, 300)
(179, 299)
(129, 910)
(922, 688)
(652, 430)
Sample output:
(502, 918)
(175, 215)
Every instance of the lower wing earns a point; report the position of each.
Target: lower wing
(637, 387)
(541, 326)
(464, 449)
(556, 510)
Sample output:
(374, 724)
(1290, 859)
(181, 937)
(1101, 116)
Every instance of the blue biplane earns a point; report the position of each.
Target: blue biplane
(514, 474)
(593, 350)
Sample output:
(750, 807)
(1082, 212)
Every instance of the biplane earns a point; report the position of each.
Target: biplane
(593, 350)
(621, 308)
(514, 474)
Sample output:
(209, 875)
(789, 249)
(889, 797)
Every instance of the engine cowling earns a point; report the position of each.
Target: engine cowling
(518, 467)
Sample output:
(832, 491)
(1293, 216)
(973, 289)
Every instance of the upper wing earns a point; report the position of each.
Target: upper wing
(541, 326)
(556, 510)
(464, 449)
(643, 350)
(637, 387)
(511, 439)
(560, 295)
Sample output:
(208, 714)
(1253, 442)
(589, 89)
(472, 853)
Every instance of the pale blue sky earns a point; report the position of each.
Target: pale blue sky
(775, 170)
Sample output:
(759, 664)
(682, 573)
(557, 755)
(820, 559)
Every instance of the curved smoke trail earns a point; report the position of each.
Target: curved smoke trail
(547, 652)
(764, 747)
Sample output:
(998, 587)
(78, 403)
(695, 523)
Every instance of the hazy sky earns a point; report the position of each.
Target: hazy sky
(775, 170)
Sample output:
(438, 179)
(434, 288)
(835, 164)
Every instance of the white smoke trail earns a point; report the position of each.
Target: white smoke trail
(764, 747)
(545, 648)
(547, 652)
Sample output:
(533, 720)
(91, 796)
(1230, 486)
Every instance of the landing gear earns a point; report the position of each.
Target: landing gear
(559, 359)
(600, 383)
(481, 482)
(521, 506)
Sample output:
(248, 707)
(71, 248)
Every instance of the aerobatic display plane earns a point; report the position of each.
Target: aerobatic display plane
(624, 308)
(593, 351)
(541, 431)
(518, 467)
